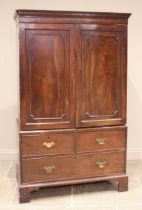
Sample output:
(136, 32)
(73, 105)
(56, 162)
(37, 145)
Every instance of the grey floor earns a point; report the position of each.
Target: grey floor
(97, 196)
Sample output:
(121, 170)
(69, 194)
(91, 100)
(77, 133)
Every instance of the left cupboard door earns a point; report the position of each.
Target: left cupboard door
(46, 76)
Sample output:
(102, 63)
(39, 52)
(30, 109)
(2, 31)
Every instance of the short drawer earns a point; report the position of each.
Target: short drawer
(47, 144)
(101, 139)
(72, 167)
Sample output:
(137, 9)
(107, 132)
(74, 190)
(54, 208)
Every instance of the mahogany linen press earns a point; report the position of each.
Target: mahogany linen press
(73, 80)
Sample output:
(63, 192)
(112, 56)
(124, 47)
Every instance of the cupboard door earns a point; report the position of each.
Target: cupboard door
(102, 84)
(46, 79)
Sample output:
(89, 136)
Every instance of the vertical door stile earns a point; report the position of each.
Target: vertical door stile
(79, 103)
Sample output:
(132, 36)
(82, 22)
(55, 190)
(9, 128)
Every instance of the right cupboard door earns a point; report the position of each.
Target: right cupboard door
(101, 76)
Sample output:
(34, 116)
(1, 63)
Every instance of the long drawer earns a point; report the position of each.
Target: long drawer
(72, 167)
(47, 144)
(101, 139)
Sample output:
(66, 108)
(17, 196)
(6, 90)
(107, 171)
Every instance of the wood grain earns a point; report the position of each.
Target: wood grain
(101, 97)
(113, 140)
(72, 167)
(32, 145)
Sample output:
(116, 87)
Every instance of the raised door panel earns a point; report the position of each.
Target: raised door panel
(102, 90)
(46, 82)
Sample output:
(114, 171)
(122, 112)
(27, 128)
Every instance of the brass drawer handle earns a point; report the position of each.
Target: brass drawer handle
(48, 169)
(101, 141)
(48, 145)
(101, 163)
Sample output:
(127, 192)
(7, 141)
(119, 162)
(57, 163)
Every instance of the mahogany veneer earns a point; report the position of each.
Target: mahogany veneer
(73, 80)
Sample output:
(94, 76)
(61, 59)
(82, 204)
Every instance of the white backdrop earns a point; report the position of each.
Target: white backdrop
(9, 67)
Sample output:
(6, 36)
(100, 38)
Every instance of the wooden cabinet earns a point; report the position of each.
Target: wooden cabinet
(73, 79)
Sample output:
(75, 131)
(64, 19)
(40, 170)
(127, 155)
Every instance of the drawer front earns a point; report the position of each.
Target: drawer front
(72, 167)
(49, 144)
(104, 139)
